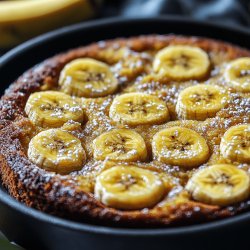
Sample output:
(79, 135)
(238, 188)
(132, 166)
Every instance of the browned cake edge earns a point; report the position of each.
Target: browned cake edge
(56, 194)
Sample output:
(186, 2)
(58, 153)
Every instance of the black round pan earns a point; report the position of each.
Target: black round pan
(35, 230)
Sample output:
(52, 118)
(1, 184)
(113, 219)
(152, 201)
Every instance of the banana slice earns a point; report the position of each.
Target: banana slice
(180, 146)
(129, 187)
(87, 77)
(56, 150)
(238, 74)
(200, 102)
(120, 145)
(235, 144)
(138, 109)
(222, 184)
(51, 109)
(181, 62)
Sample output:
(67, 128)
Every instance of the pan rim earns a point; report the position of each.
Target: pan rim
(108, 21)
(206, 227)
(7, 200)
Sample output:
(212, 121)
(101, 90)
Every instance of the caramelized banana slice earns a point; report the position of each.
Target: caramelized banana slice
(221, 184)
(235, 144)
(120, 145)
(57, 151)
(129, 187)
(238, 74)
(87, 77)
(180, 146)
(51, 109)
(181, 62)
(200, 102)
(138, 109)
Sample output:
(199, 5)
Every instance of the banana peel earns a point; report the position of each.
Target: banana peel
(23, 19)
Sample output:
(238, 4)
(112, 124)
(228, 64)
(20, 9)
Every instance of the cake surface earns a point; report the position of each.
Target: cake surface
(145, 131)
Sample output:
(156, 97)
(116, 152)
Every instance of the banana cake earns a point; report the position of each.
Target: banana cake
(144, 131)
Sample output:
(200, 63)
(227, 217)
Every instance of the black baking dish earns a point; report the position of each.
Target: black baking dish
(35, 230)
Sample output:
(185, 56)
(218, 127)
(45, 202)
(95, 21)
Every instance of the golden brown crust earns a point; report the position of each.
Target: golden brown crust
(57, 194)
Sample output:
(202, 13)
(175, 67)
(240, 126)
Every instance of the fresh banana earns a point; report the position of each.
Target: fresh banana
(87, 77)
(129, 187)
(201, 101)
(182, 62)
(51, 109)
(235, 144)
(120, 145)
(56, 150)
(180, 146)
(138, 109)
(221, 184)
(237, 74)
(23, 19)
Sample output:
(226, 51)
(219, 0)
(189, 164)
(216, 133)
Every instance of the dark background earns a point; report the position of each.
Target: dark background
(227, 12)
(219, 11)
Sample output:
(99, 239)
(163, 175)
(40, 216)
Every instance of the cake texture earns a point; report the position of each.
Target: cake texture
(148, 131)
